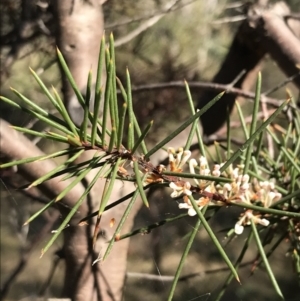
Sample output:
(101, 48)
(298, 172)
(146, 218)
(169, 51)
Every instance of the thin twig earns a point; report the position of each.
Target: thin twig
(204, 85)
(149, 16)
(229, 20)
(237, 124)
(270, 142)
(237, 4)
(154, 277)
(144, 25)
(281, 84)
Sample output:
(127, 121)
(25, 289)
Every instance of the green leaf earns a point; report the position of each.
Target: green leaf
(142, 137)
(254, 136)
(214, 238)
(236, 266)
(55, 170)
(195, 126)
(121, 126)
(70, 78)
(39, 158)
(184, 255)
(65, 115)
(139, 182)
(121, 223)
(130, 142)
(253, 123)
(84, 124)
(72, 212)
(78, 179)
(265, 260)
(183, 126)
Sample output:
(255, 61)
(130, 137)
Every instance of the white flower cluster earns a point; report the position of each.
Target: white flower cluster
(239, 190)
(246, 220)
(266, 194)
(204, 185)
(177, 160)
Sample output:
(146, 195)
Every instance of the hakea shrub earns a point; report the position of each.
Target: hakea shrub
(222, 184)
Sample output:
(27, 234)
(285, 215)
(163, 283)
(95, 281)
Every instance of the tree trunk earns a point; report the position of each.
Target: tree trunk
(80, 29)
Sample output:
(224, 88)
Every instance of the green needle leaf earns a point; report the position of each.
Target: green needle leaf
(121, 223)
(139, 182)
(84, 125)
(183, 126)
(70, 77)
(73, 211)
(130, 112)
(184, 255)
(254, 136)
(265, 259)
(121, 126)
(253, 123)
(55, 170)
(192, 107)
(142, 137)
(92, 164)
(38, 213)
(214, 238)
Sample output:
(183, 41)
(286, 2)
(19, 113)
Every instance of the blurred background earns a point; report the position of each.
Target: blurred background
(189, 42)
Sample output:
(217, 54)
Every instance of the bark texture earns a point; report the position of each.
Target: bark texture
(15, 146)
(78, 36)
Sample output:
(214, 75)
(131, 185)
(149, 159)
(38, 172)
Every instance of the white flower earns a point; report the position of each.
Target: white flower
(192, 165)
(188, 205)
(266, 194)
(238, 229)
(204, 172)
(244, 187)
(245, 178)
(186, 156)
(246, 220)
(191, 210)
(235, 173)
(177, 161)
(203, 162)
(179, 156)
(226, 190)
(180, 188)
(261, 221)
(216, 170)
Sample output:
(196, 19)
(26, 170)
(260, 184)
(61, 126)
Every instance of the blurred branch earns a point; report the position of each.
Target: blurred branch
(204, 85)
(282, 84)
(182, 278)
(160, 12)
(15, 146)
(277, 38)
(293, 16)
(47, 283)
(237, 124)
(147, 24)
(230, 19)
